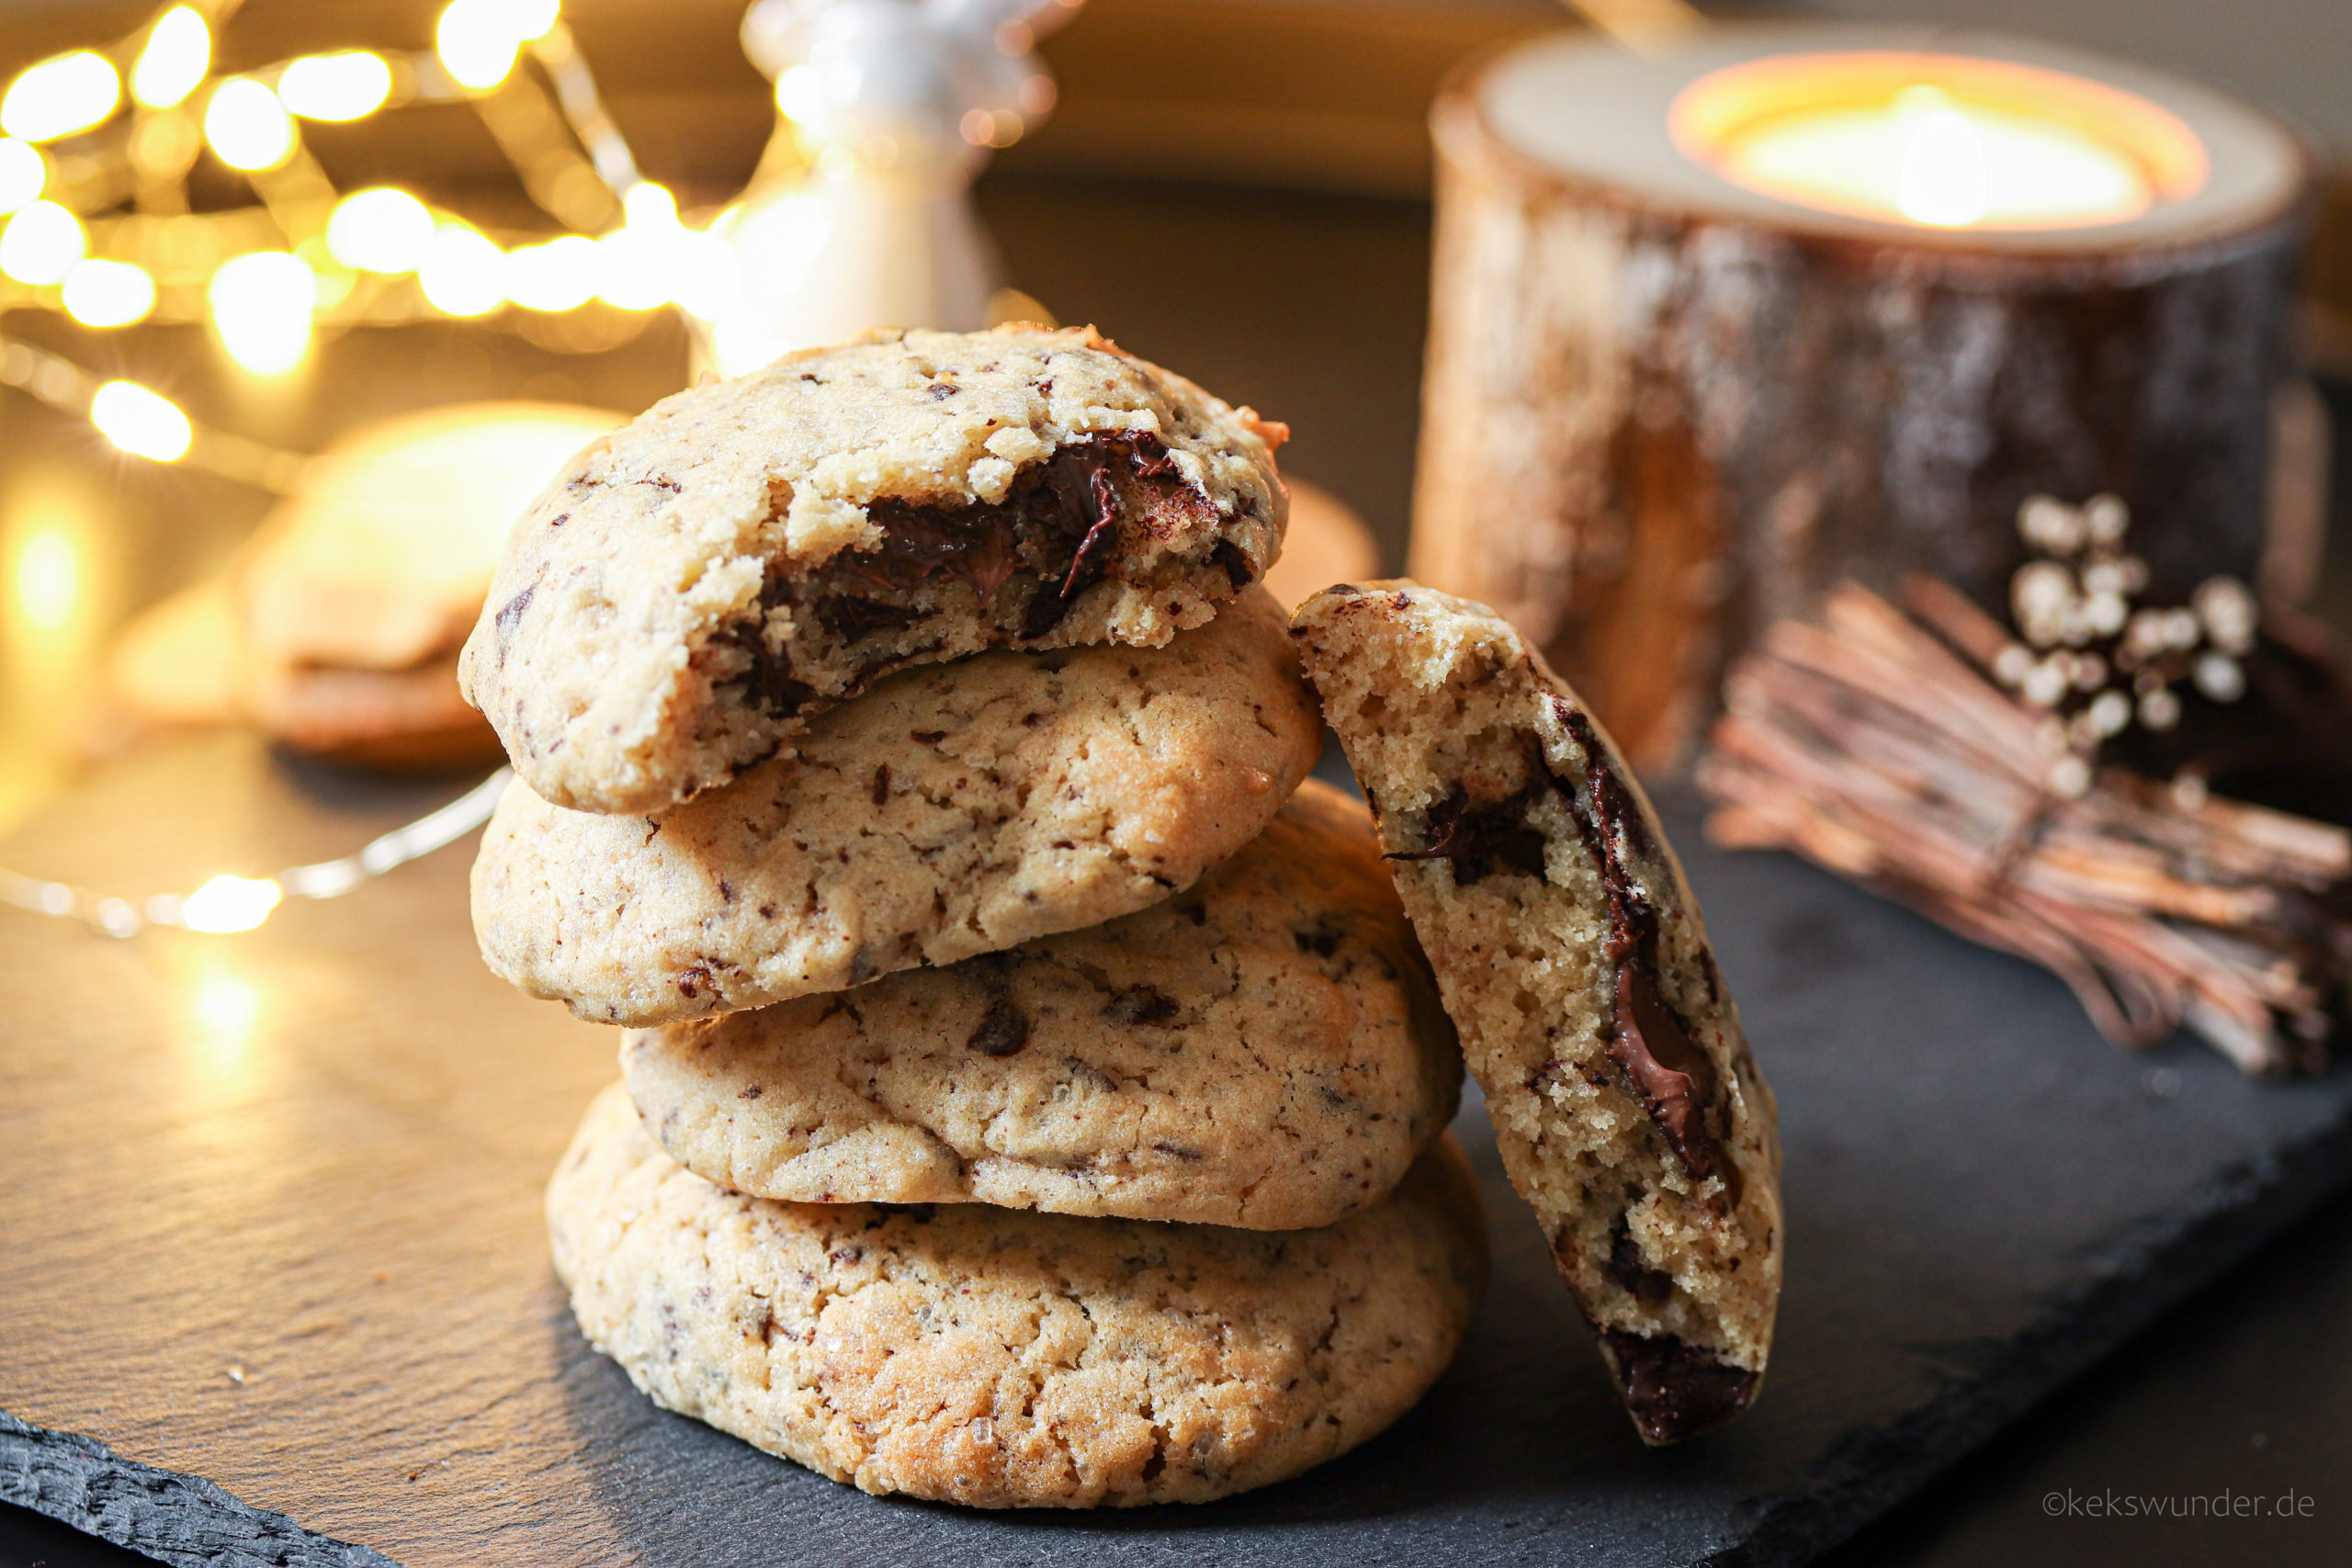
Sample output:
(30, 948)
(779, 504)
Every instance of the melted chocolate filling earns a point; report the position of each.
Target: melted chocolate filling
(1672, 1075)
(1060, 524)
(1482, 839)
(1648, 1040)
(1675, 1390)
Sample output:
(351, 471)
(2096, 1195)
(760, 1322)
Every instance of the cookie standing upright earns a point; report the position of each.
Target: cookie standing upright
(1003, 1360)
(1629, 1110)
(1264, 1051)
(953, 809)
(691, 590)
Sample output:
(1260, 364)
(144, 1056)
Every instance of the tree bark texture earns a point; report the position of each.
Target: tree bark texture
(1649, 431)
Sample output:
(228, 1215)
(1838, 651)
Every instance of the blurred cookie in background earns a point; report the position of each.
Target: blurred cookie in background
(336, 629)
(1326, 543)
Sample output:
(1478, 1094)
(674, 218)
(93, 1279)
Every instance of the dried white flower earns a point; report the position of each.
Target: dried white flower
(2090, 672)
(2049, 525)
(2009, 665)
(2159, 709)
(2046, 683)
(2106, 518)
(2228, 610)
(2040, 595)
(2106, 613)
(2220, 678)
(2143, 634)
(2104, 575)
(2110, 711)
(2181, 630)
(2070, 777)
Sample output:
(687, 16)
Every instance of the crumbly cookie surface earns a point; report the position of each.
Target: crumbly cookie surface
(1005, 1359)
(1265, 1051)
(1629, 1110)
(953, 811)
(692, 589)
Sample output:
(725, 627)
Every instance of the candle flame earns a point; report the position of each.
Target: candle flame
(1941, 181)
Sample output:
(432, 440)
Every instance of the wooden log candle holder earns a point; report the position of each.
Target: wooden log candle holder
(1708, 337)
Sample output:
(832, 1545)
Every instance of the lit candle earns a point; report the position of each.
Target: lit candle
(1939, 141)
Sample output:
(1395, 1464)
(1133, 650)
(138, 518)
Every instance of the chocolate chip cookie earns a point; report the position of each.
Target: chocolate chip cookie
(1003, 1360)
(1264, 1051)
(952, 810)
(691, 590)
(1629, 1110)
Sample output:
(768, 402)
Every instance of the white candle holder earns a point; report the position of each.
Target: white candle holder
(902, 102)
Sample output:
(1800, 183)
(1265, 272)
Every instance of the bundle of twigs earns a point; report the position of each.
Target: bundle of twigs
(1878, 744)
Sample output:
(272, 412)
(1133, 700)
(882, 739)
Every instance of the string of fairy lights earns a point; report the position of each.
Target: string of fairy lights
(97, 146)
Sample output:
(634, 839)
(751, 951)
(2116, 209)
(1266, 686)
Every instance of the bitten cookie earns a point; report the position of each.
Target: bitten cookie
(691, 590)
(952, 810)
(1265, 1051)
(1003, 1360)
(1568, 949)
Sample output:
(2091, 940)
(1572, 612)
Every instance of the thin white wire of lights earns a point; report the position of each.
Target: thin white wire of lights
(228, 903)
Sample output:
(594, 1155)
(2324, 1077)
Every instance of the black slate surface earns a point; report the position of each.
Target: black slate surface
(270, 1226)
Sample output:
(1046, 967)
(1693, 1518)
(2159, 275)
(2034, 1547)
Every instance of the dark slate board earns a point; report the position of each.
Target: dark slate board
(310, 1158)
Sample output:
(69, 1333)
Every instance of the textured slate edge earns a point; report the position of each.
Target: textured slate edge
(180, 1520)
(2244, 1208)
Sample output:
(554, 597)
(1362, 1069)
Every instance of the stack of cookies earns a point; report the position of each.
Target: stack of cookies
(1032, 1092)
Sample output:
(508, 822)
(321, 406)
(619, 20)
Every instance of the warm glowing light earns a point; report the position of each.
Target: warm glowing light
(709, 276)
(352, 84)
(639, 261)
(247, 127)
(800, 94)
(558, 276)
(230, 904)
(650, 204)
(478, 40)
(1944, 142)
(462, 272)
(60, 97)
(172, 66)
(41, 243)
(143, 423)
(49, 577)
(262, 303)
(108, 293)
(226, 1009)
(380, 230)
(22, 174)
(1941, 179)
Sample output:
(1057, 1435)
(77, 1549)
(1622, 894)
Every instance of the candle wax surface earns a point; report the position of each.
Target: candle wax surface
(1928, 159)
(1942, 142)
